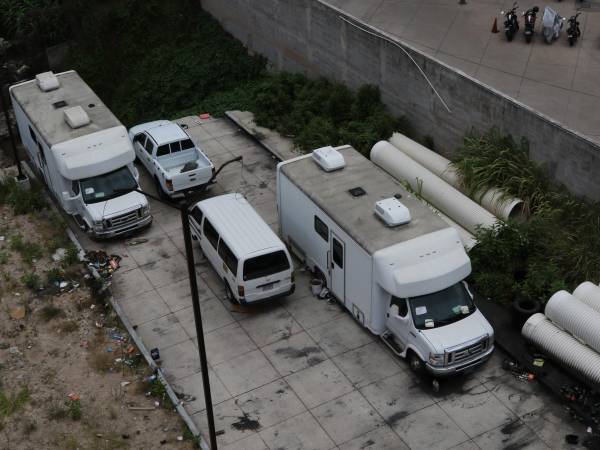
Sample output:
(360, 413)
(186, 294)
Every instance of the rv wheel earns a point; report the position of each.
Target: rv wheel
(415, 363)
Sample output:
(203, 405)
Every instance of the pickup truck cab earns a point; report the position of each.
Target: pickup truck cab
(177, 165)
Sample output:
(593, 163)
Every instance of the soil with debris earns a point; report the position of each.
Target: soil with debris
(70, 377)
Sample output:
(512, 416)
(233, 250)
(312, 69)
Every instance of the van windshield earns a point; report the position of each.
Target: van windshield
(264, 265)
(441, 308)
(106, 186)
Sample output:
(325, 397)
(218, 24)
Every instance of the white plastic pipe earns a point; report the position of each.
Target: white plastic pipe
(576, 317)
(588, 293)
(440, 194)
(493, 199)
(562, 347)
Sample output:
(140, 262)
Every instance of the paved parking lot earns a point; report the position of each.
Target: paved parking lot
(300, 373)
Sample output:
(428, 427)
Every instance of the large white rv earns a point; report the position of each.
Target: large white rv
(82, 152)
(391, 261)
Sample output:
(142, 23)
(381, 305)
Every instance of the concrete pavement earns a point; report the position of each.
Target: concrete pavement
(556, 80)
(300, 373)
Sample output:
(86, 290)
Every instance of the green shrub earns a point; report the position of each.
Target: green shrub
(9, 405)
(49, 312)
(29, 251)
(74, 409)
(31, 280)
(22, 201)
(54, 275)
(71, 255)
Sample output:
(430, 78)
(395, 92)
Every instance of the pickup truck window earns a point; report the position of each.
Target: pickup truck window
(140, 138)
(149, 146)
(228, 257)
(186, 144)
(175, 147)
(443, 307)
(106, 186)
(162, 150)
(210, 233)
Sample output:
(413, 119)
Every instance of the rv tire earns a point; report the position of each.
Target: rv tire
(415, 363)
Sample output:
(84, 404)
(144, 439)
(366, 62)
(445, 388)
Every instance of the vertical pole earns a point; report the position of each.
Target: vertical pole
(10, 132)
(185, 221)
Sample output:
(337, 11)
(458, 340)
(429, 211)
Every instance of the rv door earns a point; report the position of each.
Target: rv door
(337, 264)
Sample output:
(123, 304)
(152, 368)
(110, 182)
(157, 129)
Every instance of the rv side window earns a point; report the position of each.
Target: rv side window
(162, 150)
(321, 229)
(228, 257)
(186, 144)
(33, 136)
(75, 187)
(197, 215)
(264, 265)
(211, 234)
(149, 146)
(402, 306)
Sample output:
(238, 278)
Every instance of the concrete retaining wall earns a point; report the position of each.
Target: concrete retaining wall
(309, 36)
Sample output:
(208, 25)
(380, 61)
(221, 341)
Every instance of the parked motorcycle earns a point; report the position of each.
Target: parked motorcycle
(552, 23)
(530, 16)
(573, 31)
(511, 22)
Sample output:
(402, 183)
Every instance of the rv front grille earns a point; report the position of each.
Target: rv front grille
(123, 219)
(468, 352)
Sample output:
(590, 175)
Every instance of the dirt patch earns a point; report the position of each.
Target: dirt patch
(70, 377)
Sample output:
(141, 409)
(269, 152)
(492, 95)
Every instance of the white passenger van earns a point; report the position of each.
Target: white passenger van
(248, 256)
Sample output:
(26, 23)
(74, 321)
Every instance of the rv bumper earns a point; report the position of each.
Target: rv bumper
(445, 371)
(106, 234)
(243, 301)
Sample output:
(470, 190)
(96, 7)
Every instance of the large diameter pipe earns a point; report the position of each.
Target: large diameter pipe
(576, 317)
(440, 194)
(493, 199)
(588, 293)
(562, 347)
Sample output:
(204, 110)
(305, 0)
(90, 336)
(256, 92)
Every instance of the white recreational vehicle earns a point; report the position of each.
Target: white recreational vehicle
(391, 261)
(82, 152)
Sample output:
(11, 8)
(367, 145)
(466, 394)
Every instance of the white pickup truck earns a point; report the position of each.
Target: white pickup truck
(176, 164)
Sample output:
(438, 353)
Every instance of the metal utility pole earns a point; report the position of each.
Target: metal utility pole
(10, 131)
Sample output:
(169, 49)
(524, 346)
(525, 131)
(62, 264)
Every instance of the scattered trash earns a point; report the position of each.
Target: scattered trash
(589, 429)
(65, 286)
(180, 438)
(130, 349)
(17, 312)
(118, 360)
(104, 264)
(99, 325)
(109, 349)
(1, 238)
(83, 344)
(150, 379)
(125, 383)
(59, 254)
(140, 408)
(204, 116)
(74, 397)
(155, 354)
(324, 294)
(136, 242)
(14, 351)
(157, 403)
(93, 306)
(538, 362)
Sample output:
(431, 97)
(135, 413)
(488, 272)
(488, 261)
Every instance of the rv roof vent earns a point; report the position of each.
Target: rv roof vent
(76, 117)
(357, 191)
(328, 158)
(59, 104)
(47, 81)
(392, 212)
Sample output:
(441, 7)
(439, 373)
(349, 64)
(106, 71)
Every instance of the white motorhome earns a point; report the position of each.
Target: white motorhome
(247, 255)
(82, 152)
(391, 261)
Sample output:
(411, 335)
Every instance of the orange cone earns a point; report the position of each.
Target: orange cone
(495, 26)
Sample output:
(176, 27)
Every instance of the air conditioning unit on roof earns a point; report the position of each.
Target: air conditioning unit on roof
(328, 158)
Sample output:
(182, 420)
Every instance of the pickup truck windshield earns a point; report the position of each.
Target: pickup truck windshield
(442, 307)
(106, 186)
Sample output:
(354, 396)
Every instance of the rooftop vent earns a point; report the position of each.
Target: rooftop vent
(357, 191)
(47, 81)
(59, 104)
(328, 158)
(76, 117)
(392, 212)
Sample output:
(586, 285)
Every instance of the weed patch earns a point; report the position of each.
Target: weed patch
(29, 251)
(31, 280)
(11, 404)
(49, 312)
(22, 201)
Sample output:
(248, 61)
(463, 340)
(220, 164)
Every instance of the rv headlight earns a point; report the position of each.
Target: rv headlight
(436, 359)
(98, 223)
(145, 210)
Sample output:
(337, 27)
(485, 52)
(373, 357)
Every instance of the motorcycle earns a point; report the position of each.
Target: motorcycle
(511, 22)
(552, 23)
(530, 16)
(573, 31)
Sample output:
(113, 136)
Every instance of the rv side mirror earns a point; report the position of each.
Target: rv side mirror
(67, 198)
(136, 174)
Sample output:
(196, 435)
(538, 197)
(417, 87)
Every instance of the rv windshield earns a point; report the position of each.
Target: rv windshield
(106, 186)
(442, 307)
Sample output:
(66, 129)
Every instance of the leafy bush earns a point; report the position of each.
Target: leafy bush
(23, 201)
(10, 404)
(71, 255)
(557, 248)
(31, 280)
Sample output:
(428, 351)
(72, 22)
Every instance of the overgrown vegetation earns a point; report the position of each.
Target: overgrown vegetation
(22, 201)
(557, 248)
(9, 404)
(29, 251)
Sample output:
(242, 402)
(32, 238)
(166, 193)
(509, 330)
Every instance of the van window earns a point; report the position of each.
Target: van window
(186, 144)
(321, 229)
(261, 266)
(162, 150)
(197, 215)
(210, 233)
(228, 257)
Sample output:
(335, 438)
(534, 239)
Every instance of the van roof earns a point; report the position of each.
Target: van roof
(243, 229)
(355, 215)
(45, 110)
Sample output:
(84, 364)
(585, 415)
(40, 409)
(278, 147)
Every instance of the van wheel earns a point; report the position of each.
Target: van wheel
(415, 363)
(229, 293)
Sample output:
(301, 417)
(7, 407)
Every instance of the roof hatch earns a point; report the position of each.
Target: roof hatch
(328, 158)
(392, 212)
(76, 117)
(47, 81)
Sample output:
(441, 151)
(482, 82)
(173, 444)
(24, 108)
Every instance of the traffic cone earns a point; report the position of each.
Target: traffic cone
(495, 26)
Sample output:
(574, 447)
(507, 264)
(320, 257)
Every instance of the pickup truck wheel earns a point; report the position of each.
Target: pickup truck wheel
(414, 362)
(161, 193)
